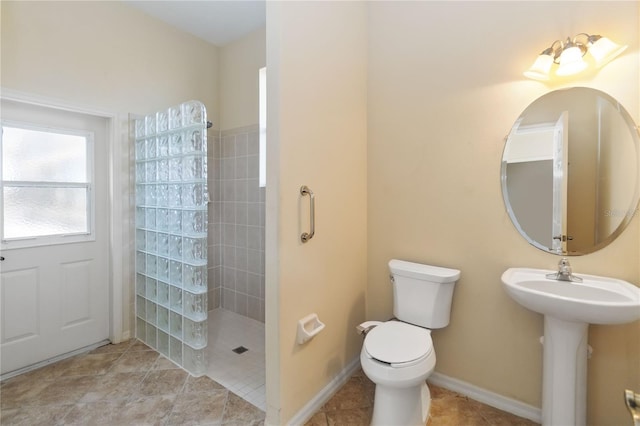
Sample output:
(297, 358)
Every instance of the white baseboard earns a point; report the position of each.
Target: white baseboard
(487, 397)
(325, 394)
(467, 389)
(40, 364)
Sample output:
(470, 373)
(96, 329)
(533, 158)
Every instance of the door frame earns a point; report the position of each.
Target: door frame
(118, 219)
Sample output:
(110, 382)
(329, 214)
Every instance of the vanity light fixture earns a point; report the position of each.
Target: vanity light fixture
(568, 55)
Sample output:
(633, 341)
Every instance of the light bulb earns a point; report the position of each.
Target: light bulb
(571, 61)
(604, 50)
(540, 68)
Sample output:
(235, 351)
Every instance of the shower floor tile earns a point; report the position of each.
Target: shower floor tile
(241, 373)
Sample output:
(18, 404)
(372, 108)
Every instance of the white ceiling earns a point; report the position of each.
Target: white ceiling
(218, 22)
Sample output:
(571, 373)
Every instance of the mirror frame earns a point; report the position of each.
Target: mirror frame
(632, 211)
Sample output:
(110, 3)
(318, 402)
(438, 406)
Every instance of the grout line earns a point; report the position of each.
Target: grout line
(242, 374)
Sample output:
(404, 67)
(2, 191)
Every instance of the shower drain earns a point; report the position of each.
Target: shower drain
(240, 349)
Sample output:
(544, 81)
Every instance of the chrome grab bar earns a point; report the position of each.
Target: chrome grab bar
(304, 190)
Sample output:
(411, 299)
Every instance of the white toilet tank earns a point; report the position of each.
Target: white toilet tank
(422, 294)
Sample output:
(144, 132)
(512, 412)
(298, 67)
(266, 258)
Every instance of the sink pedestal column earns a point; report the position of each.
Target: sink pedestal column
(564, 378)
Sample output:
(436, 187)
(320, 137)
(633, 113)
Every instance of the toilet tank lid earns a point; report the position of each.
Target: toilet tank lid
(425, 272)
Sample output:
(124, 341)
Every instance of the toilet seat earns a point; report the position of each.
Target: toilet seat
(398, 344)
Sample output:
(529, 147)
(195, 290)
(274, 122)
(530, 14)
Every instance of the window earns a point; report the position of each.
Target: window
(263, 126)
(46, 185)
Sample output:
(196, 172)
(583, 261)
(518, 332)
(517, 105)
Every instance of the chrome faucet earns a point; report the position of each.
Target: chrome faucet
(632, 400)
(564, 272)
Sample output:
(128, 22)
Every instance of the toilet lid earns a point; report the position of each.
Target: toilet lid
(398, 342)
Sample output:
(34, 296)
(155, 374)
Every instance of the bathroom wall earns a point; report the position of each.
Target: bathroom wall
(316, 136)
(71, 51)
(111, 57)
(239, 65)
(531, 197)
(444, 88)
(614, 164)
(241, 213)
(237, 213)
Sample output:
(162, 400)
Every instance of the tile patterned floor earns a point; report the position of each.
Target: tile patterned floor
(125, 384)
(131, 384)
(353, 405)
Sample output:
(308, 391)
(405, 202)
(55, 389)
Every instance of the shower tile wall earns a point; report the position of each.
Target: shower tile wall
(215, 214)
(237, 228)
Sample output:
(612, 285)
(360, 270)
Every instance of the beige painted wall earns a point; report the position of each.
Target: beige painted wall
(435, 136)
(239, 65)
(316, 71)
(445, 86)
(105, 56)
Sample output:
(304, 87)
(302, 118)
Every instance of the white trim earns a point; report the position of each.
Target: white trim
(118, 222)
(487, 397)
(311, 407)
(116, 219)
(467, 389)
(126, 335)
(44, 101)
(40, 364)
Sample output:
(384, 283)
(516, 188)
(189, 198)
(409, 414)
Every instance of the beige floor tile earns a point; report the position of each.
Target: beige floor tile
(96, 364)
(202, 384)
(356, 393)
(154, 410)
(163, 382)
(120, 385)
(137, 345)
(240, 412)
(34, 416)
(21, 393)
(199, 408)
(350, 417)
(114, 386)
(163, 363)
(131, 384)
(97, 413)
(318, 419)
(353, 405)
(438, 392)
(66, 390)
(134, 361)
(496, 417)
(111, 348)
(49, 372)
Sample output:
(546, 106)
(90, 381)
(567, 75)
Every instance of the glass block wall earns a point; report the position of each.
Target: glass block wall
(171, 233)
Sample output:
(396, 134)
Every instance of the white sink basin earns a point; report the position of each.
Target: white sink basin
(596, 300)
(568, 309)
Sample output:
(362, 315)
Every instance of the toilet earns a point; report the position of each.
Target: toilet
(398, 355)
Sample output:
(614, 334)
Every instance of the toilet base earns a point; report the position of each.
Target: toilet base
(401, 406)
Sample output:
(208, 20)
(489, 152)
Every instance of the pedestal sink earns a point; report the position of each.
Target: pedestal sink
(568, 309)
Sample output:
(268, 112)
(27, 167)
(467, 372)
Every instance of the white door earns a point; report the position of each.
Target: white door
(560, 182)
(54, 274)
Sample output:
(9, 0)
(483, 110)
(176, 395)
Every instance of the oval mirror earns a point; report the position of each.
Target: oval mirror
(570, 171)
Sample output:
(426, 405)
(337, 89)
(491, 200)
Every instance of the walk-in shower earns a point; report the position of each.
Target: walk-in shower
(171, 233)
(236, 269)
(200, 246)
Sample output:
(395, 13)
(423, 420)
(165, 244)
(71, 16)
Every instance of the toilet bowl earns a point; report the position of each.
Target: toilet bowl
(398, 355)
